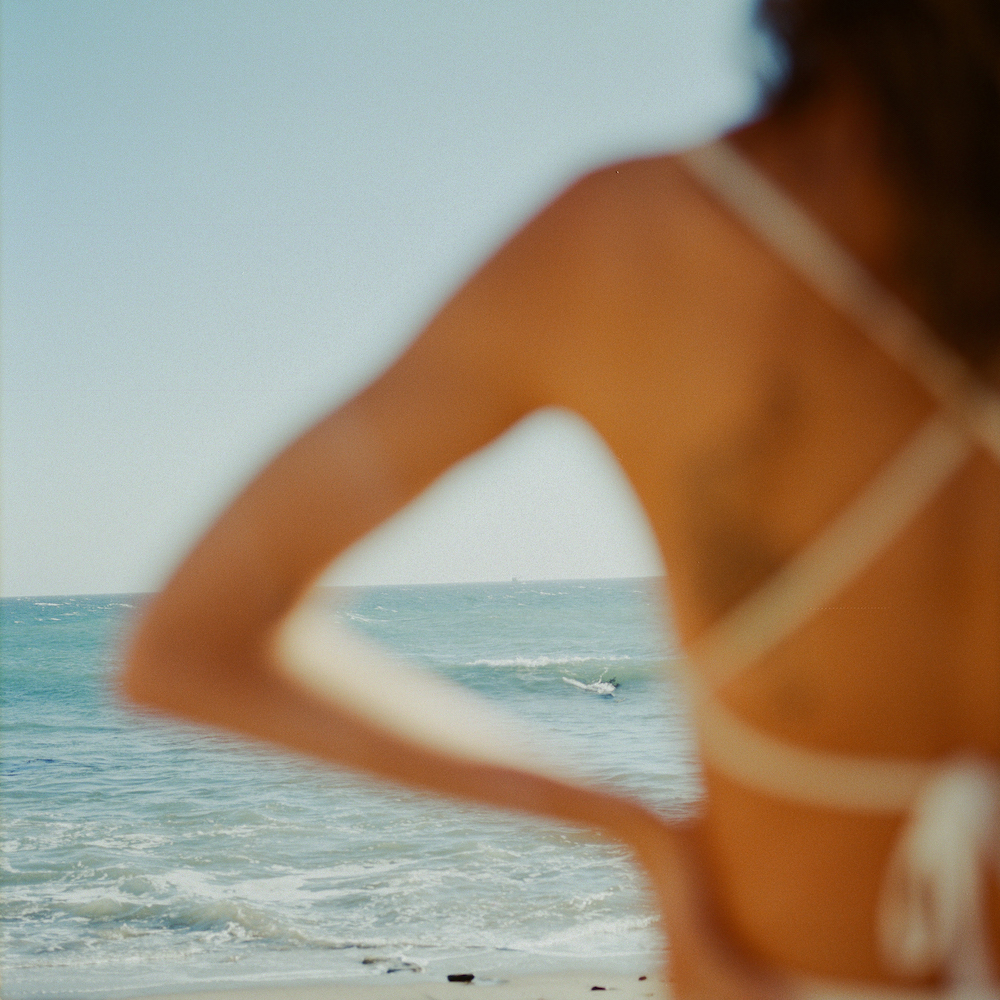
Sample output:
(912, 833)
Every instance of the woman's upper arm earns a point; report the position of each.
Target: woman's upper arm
(477, 368)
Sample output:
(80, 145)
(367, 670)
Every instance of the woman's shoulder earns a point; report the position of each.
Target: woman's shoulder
(626, 233)
(647, 236)
(626, 192)
(624, 230)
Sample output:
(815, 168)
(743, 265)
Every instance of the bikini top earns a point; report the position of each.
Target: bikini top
(934, 793)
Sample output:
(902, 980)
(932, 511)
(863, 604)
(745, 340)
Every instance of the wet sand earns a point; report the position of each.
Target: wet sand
(567, 986)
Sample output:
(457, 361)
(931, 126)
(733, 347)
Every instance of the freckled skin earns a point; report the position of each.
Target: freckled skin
(746, 413)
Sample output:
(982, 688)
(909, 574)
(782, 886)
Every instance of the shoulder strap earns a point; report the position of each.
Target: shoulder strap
(839, 278)
(970, 413)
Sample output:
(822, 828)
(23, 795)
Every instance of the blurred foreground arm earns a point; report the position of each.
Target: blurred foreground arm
(223, 643)
(228, 641)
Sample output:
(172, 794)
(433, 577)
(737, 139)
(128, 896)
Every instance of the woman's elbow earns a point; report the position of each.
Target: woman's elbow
(166, 664)
(185, 668)
(150, 670)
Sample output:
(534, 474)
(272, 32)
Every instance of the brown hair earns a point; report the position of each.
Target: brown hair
(933, 70)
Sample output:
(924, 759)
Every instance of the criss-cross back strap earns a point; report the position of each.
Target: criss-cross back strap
(848, 544)
(839, 278)
(931, 911)
(969, 416)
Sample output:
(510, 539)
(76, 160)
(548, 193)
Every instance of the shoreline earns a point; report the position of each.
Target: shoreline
(559, 986)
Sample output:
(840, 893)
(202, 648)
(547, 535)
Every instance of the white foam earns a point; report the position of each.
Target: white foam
(546, 661)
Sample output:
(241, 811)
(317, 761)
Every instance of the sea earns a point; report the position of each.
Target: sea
(141, 856)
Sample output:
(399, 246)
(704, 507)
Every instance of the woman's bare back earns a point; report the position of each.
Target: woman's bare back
(755, 413)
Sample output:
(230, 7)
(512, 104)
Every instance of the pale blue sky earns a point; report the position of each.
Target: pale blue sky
(221, 217)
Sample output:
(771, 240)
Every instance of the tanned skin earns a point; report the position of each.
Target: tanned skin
(746, 412)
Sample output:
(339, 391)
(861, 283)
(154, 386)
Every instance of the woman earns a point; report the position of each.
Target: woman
(819, 469)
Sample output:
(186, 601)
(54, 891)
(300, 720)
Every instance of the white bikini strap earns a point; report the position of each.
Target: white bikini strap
(841, 280)
(831, 560)
(932, 911)
(932, 906)
(755, 759)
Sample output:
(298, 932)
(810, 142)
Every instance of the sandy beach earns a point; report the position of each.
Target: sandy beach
(566, 986)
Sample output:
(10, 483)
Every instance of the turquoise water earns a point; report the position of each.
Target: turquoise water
(145, 857)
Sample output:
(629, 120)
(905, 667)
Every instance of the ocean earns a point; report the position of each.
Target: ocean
(144, 857)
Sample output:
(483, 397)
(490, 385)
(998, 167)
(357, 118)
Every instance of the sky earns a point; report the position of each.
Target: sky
(219, 220)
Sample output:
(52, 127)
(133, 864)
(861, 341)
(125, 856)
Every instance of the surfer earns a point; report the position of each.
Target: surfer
(600, 686)
(804, 322)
